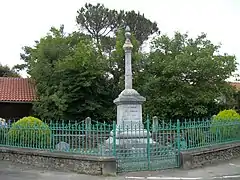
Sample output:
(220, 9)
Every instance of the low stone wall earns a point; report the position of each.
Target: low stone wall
(212, 155)
(60, 161)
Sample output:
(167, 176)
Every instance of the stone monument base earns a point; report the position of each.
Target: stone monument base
(127, 143)
(130, 133)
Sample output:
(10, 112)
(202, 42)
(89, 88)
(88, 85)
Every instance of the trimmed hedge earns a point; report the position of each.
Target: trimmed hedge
(30, 132)
(226, 124)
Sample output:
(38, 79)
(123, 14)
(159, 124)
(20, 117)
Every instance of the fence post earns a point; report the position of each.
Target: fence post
(148, 142)
(178, 141)
(52, 140)
(155, 124)
(88, 123)
(114, 138)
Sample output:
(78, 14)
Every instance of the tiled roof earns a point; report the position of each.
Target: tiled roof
(236, 85)
(17, 89)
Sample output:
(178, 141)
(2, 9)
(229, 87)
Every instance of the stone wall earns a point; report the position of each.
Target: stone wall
(107, 165)
(60, 161)
(212, 155)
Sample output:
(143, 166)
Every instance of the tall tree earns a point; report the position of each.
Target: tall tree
(141, 27)
(184, 76)
(6, 71)
(100, 22)
(70, 77)
(106, 27)
(97, 20)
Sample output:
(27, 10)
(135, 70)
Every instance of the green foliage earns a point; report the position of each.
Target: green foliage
(227, 115)
(97, 20)
(116, 61)
(5, 71)
(141, 27)
(101, 22)
(81, 73)
(226, 124)
(183, 77)
(29, 132)
(70, 77)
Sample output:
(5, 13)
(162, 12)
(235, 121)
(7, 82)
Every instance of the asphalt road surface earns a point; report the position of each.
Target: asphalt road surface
(228, 170)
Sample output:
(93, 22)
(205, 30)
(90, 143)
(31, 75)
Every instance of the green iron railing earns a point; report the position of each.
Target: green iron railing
(83, 138)
(196, 134)
(200, 134)
(94, 138)
(146, 147)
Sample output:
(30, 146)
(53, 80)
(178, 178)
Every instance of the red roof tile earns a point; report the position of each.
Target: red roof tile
(17, 89)
(236, 85)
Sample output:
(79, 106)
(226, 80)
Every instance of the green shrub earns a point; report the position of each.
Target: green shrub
(29, 132)
(226, 124)
(229, 114)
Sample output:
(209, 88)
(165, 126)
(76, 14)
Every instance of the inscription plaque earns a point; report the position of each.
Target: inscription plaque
(131, 113)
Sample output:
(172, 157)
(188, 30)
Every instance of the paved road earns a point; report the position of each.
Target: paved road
(228, 170)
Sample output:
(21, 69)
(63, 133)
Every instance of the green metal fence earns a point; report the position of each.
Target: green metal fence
(156, 146)
(152, 149)
(200, 134)
(83, 138)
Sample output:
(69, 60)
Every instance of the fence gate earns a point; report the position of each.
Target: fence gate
(161, 151)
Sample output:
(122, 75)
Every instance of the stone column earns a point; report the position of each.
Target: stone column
(128, 59)
(130, 132)
(129, 101)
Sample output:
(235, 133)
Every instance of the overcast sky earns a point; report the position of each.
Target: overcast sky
(23, 21)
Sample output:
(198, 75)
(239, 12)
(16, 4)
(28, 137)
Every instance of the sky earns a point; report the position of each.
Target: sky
(24, 21)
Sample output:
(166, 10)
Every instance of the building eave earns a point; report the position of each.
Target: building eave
(18, 102)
